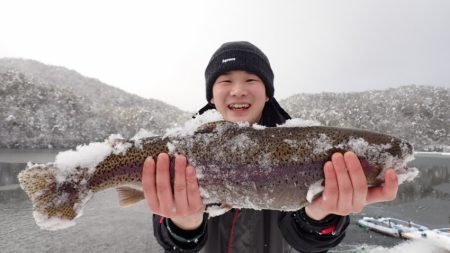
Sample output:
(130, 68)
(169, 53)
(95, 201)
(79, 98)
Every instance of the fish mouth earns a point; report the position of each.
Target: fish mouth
(239, 106)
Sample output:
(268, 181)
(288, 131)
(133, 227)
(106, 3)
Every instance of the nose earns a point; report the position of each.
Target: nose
(238, 90)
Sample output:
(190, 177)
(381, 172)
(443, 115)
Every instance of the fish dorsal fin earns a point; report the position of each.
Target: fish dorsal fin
(129, 196)
(210, 127)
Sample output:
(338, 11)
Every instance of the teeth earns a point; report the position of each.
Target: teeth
(239, 106)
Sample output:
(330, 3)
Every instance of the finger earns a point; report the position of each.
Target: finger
(193, 191)
(358, 179)
(326, 204)
(163, 187)
(179, 186)
(344, 184)
(330, 196)
(387, 192)
(149, 184)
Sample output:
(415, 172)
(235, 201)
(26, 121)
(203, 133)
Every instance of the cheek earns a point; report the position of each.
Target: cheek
(219, 101)
(218, 93)
(260, 93)
(260, 89)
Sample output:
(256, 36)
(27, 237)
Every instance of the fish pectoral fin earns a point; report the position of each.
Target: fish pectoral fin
(129, 196)
(315, 190)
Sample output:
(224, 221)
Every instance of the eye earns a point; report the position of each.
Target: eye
(224, 81)
(251, 80)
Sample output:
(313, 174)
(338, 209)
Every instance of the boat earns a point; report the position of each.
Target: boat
(439, 236)
(392, 226)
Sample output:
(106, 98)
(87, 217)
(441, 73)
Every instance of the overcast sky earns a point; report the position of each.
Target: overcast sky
(159, 49)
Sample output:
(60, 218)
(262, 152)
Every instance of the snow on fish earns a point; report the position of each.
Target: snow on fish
(238, 166)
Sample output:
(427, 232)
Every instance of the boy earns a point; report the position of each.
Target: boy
(239, 85)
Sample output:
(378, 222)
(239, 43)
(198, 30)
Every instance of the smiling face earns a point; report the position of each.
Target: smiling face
(239, 96)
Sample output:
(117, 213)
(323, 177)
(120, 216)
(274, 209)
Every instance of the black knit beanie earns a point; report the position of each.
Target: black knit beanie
(239, 55)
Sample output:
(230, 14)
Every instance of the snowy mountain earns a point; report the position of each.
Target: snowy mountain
(45, 106)
(419, 114)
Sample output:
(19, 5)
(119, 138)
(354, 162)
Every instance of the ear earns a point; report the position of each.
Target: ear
(212, 101)
(267, 98)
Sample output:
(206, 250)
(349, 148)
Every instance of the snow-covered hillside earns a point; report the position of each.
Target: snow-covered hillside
(419, 114)
(45, 106)
(42, 116)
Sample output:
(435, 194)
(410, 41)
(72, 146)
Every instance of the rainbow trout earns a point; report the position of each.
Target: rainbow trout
(238, 166)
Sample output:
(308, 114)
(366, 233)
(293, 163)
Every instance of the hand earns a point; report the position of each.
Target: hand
(184, 206)
(346, 189)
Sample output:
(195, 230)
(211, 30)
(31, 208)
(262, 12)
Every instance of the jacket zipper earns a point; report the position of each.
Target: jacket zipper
(266, 220)
(235, 216)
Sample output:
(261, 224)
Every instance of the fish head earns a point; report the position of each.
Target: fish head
(392, 154)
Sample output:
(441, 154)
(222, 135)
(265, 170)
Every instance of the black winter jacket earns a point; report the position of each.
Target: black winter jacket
(249, 230)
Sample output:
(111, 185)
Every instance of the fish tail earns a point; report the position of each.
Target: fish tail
(56, 202)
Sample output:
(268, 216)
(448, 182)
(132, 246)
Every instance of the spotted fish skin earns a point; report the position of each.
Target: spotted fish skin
(238, 166)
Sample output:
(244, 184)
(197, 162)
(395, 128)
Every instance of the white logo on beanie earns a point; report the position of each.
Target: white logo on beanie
(227, 60)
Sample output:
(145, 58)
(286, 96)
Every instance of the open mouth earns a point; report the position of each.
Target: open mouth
(242, 106)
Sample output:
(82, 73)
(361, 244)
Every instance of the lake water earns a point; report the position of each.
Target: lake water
(105, 227)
